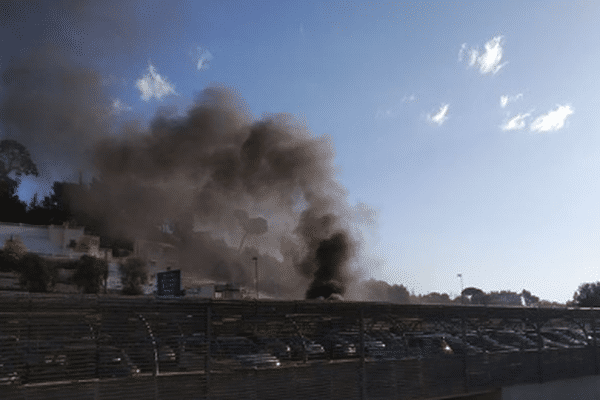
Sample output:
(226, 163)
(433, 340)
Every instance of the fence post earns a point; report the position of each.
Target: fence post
(540, 346)
(465, 359)
(208, 349)
(592, 313)
(363, 371)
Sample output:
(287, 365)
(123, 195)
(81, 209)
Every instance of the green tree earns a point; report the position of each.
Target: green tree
(16, 161)
(15, 158)
(473, 295)
(133, 276)
(34, 273)
(90, 274)
(587, 295)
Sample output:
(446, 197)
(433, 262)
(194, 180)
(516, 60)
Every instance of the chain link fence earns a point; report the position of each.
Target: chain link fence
(105, 347)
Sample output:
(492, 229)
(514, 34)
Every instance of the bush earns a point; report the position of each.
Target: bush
(587, 295)
(90, 273)
(34, 273)
(133, 276)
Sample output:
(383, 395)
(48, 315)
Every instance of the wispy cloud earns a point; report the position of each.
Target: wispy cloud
(409, 99)
(461, 52)
(118, 107)
(553, 120)
(515, 123)
(202, 58)
(440, 116)
(504, 100)
(488, 61)
(153, 85)
(394, 110)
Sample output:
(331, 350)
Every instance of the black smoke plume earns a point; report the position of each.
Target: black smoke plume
(232, 186)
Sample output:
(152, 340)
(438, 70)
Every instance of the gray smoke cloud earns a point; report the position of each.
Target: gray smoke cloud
(233, 186)
(218, 165)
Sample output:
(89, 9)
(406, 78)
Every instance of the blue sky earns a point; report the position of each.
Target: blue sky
(470, 130)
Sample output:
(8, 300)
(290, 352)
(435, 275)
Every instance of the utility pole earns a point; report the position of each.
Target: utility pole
(255, 275)
(461, 288)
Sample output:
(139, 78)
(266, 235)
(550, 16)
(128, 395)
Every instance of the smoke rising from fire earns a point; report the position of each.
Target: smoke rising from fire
(233, 187)
(219, 166)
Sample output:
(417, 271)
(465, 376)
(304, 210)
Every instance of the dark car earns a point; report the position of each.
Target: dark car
(488, 344)
(40, 361)
(514, 339)
(8, 372)
(373, 347)
(273, 346)
(114, 362)
(190, 351)
(337, 347)
(560, 336)
(427, 345)
(236, 350)
(547, 343)
(395, 344)
(462, 347)
(304, 348)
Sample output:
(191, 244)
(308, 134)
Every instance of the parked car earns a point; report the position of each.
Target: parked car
(190, 351)
(114, 362)
(488, 344)
(273, 346)
(578, 335)
(427, 345)
(373, 347)
(395, 344)
(562, 338)
(304, 348)
(546, 342)
(337, 347)
(460, 347)
(514, 339)
(242, 351)
(8, 372)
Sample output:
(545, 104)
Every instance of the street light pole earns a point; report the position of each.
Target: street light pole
(255, 275)
(461, 288)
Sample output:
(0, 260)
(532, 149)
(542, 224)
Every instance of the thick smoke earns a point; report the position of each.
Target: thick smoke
(232, 187)
(218, 166)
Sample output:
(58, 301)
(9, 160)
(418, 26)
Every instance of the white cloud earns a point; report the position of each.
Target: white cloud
(202, 58)
(504, 100)
(515, 123)
(409, 99)
(487, 61)
(461, 52)
(440, 116)
(118, 106)
(153, 85)
(394, 110)
(552, 121)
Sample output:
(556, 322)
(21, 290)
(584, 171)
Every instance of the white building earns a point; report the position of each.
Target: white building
(51, 241)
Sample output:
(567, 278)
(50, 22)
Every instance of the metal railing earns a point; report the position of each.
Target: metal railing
(109, 347)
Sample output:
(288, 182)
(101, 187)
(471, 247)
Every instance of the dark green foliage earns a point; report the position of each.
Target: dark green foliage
(133, 276)
(587, 295)
(34, 273)
(529, 298)
(472, 295)
(14, 157)
(8, 262)
(90, 274)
